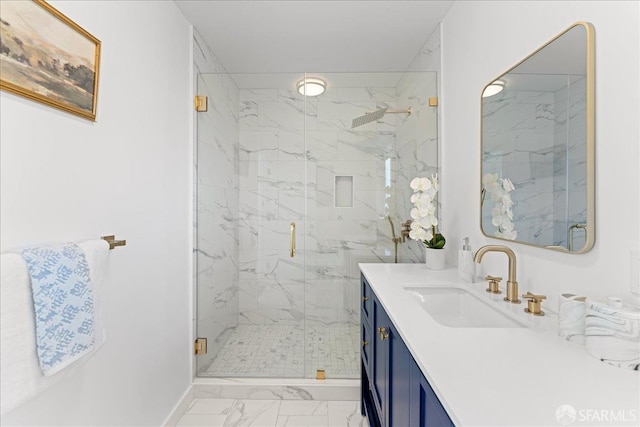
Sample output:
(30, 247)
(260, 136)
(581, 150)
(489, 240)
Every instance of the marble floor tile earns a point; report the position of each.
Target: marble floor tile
(208, 420)
(272, 413)
(345, 414)
(259, 413)
(305, 407)
(210, 406)
(302, 421)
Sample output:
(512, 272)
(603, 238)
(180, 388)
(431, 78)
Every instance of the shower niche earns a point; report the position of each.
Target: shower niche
(291, 196)
(344, 191)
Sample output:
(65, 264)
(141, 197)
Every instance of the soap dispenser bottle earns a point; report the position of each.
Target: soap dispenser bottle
(466, 266)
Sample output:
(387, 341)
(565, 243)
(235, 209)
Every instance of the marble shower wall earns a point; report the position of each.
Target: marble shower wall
(419, 157)
(216, 227)
(273, 172)
(537, 155)
(338, 238)
(416, 149)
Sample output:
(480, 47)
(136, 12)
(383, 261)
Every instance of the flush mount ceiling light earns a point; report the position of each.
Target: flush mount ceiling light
(493, 89)
(311, 86)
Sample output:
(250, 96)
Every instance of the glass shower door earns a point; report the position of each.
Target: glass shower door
(272, 221)
(250, 226)
(367, 136)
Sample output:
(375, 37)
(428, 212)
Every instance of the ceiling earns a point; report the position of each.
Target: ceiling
(326, 35)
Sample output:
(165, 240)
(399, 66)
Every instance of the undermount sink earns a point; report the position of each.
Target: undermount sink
(456, 307)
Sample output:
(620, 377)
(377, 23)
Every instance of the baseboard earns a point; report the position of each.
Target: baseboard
(180, 408)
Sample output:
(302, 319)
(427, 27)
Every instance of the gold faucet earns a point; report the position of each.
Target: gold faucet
(512, 284)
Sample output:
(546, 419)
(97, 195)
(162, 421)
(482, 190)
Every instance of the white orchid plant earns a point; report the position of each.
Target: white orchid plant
(423, 215)
(502, 212)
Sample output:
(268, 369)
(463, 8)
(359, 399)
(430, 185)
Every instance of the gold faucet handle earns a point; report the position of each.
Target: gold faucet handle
(494, 284)
(534, 297)
(533, 303)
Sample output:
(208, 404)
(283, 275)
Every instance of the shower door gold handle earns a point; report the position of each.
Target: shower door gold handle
(292, 242)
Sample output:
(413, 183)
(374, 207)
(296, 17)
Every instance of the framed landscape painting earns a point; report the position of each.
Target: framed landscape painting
(48, 58)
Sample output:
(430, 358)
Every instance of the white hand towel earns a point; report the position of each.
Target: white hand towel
(22, 377)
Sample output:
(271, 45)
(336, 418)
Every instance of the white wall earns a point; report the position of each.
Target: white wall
(483, 39)
(64, 178)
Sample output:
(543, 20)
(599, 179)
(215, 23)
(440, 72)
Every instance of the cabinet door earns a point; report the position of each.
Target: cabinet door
(425, 408)
(399, 381)
(391, 371)
(379, 372)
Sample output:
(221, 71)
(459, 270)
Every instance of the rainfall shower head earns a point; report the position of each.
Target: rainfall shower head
(372, 116)
(368, 118)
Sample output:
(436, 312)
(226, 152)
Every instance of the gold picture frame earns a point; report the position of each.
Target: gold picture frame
(48, 58)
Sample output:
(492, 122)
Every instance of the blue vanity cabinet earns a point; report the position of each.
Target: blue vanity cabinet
(426, 409)
(390, 370)
(394, 391)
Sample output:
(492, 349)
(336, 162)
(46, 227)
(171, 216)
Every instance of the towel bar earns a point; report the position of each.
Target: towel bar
(113, 242)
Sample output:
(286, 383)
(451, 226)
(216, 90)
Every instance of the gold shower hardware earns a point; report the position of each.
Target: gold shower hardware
(406, 229)
(113, 242)
(433, 101)
(320, 374)
(365, 343)
(292, 242)
(395, 240)
(201, 103)
(365, 299)
(200, 346)
(407, 111)
(383, 333)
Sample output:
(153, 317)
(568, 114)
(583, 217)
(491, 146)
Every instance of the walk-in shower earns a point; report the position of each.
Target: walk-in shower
(271, 161)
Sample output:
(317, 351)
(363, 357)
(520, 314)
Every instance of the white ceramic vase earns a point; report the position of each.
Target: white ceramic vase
(434, 258)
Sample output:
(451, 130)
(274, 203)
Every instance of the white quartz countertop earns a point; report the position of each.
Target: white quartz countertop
(504, 376)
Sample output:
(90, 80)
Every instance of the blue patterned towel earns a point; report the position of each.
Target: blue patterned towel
(63, 304)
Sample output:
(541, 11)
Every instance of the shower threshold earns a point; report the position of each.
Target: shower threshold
(276, 389)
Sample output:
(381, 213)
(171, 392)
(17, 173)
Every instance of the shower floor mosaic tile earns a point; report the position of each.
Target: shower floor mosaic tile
(279, 351)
